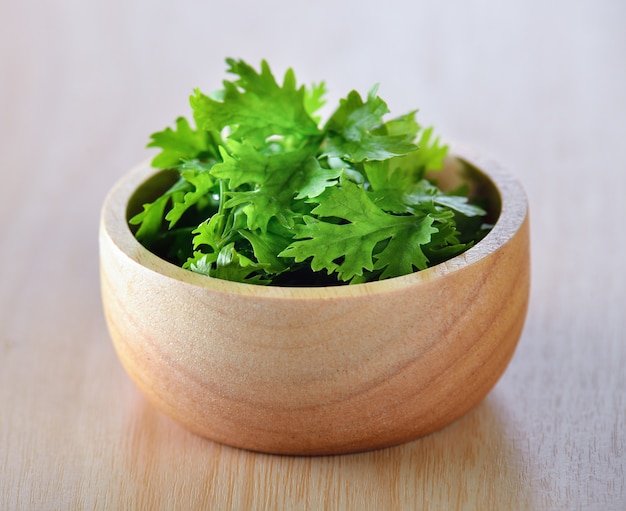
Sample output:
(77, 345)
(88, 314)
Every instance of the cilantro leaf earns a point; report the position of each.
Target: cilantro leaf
(182, 143)
(404, 253)
(266, 247)
(314, 100)
(256, 107)
(402, 172)
(150, 219)
(201, 187)
(274, 181)
(347, 247)
(421, 195)
(356, 131)
(228, 264)
(231, 265)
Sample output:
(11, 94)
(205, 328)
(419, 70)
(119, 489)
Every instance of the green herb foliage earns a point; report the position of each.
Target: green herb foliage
(265, 194)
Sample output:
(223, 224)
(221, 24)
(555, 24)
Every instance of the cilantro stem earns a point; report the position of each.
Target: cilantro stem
(221, 214)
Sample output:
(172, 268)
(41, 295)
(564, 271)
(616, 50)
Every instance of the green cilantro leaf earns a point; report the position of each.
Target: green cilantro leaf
(402, 172)
(256, 107)
(356, 131)
(202, 185)
(314, 100)
(150, 220)
(423, 194)
(227, 265)
(274, 181)
(404, 253)
(266, 247)
(181, 144)
(347, 247)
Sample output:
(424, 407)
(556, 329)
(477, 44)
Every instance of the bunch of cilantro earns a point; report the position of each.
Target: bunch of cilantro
(264, 194)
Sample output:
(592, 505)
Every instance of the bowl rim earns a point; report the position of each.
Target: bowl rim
(513, 212)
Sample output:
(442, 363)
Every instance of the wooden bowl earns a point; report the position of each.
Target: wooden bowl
(319, 370)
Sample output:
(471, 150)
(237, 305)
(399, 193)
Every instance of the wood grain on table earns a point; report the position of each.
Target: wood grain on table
(539, 85)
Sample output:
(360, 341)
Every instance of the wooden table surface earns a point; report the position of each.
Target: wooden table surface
(538, 84)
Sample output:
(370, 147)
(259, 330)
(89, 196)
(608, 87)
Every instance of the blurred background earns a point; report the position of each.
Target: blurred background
(540, 85)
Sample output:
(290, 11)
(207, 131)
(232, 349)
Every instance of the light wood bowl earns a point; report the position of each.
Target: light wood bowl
(319, 370)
